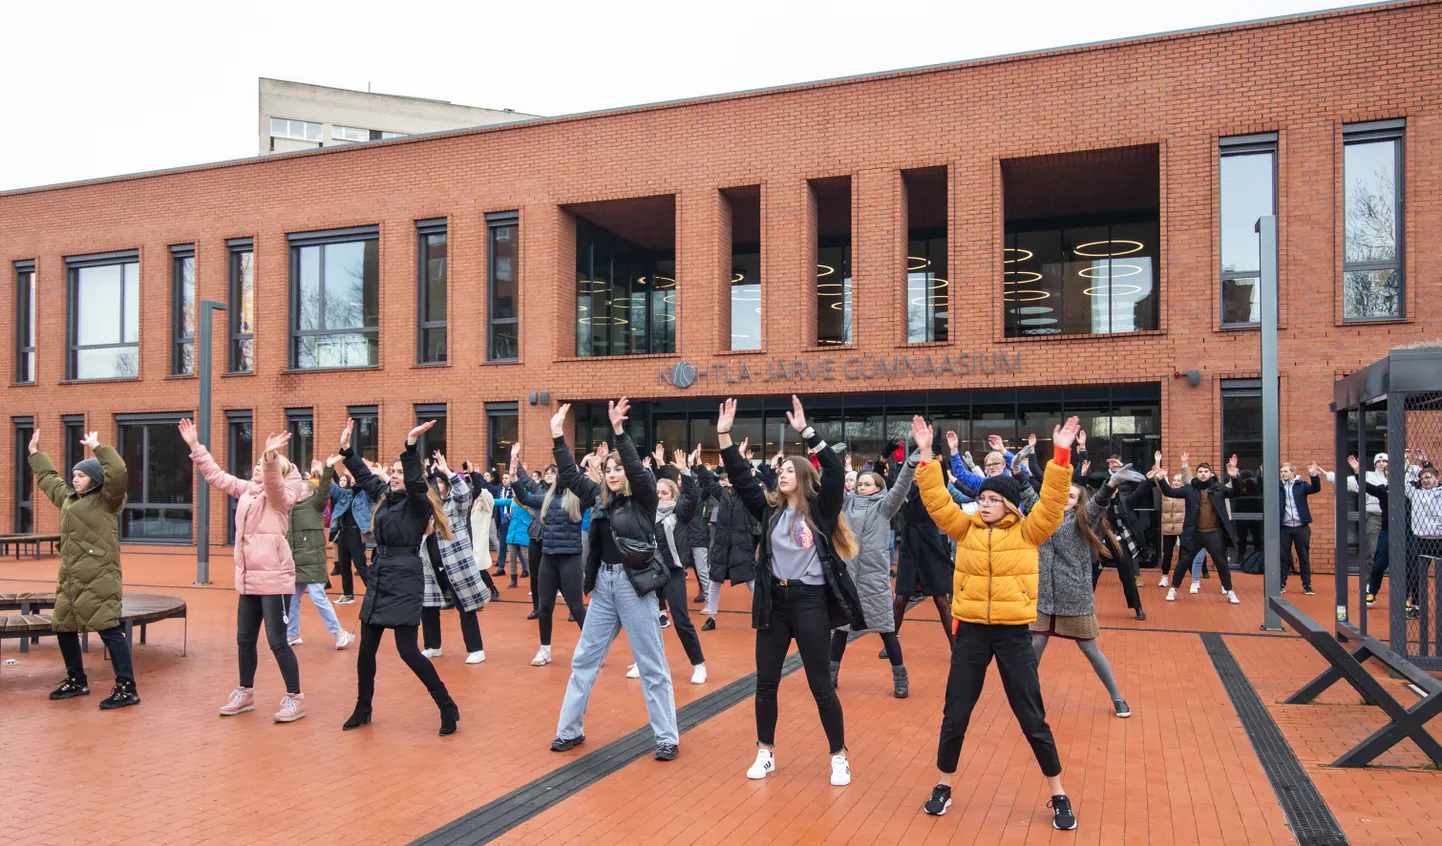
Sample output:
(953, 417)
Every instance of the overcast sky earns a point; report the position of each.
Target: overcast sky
(93, 88)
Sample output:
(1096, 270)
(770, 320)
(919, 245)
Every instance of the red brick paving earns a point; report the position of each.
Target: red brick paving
(1179, 771)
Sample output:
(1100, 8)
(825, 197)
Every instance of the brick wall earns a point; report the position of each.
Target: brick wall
(1302, 78)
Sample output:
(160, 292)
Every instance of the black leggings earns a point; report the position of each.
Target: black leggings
(431, 629)
(943, 607)
(250, 612)
(798, 612)
(350, 551)
(839, 638)
(564, 572)
(114, 639)
(406, 647)
(971, 654)
(533, 563)
(1216, 546)
(675, 596)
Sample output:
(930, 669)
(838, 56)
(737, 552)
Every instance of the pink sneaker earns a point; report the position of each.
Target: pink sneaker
(292, 708)
(242, 699)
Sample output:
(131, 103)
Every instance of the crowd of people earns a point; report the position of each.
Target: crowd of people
(1008, 551)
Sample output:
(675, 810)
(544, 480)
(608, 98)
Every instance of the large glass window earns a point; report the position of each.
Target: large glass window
(300, 130)
(241, 358)
(159, 508)
(240, 459)
(626, 277)
(335, 298)
(928, 284)
(74, 437)
(831, 201)
(504, 301)
(24, 321)
(1242, 437)
(744, 206)
(1248, 191)
(502, 430)
(435, 439)
(1372, 277)
(24, 480)
(104, 316)
(365, 440)
(182, 310)
(431, 298)
(300, 422)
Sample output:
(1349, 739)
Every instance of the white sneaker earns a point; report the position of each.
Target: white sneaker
(765, 764)
(840, 771)
(431, 653)
(343, 639)
(1232, 597)
(476, 657)
(1225, 591)
(1165, 582)
(633, 672)
(1172, 595)
(699, 675)
(1196, 587)
(294, 641)
(543, 657)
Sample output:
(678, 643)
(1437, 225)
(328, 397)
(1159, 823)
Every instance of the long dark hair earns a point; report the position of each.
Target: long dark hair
(1084, 526)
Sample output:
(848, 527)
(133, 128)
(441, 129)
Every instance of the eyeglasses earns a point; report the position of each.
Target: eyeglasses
(991, 500)
(995, 464)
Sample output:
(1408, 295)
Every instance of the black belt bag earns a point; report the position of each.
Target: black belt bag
(642, 560)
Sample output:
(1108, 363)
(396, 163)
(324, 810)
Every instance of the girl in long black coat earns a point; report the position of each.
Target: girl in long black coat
(393, 597)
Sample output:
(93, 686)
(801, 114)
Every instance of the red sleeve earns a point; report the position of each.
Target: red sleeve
(1061, 456)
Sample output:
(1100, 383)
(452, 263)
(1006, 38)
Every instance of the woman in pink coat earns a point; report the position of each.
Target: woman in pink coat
(264, 569)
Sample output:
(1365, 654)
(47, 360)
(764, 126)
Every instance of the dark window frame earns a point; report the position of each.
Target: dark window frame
(430, 411)
(495, 221)
(73, 266)
(358, 445)
(23, 429)
(293, 418)
(1231, 388)
(179, 255)
(74, 451)
(495, 410)
(25, 322)
(1242, 145)
(234, 422)
(236, 338)
(426, 230)
(123, 421)
(299, 240)
(1394, 131)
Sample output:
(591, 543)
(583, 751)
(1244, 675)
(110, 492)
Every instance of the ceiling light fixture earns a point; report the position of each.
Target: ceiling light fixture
(1113, 290)
(932, 301)
(1031, 276)
(841, 306)
(911, 268)
(1031, 296)
(661, 287)
(1136, 246)
(828, 270)
(1019, 257)
(737, 278)
(604, 321)
(666, 318)
(1088, 272)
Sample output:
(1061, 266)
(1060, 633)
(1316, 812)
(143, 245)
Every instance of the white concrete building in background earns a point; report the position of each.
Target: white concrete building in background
(298, 116)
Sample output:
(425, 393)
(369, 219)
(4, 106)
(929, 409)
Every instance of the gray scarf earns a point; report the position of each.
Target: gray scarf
(666, 519)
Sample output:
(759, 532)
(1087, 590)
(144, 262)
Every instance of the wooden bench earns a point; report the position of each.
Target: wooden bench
(20, 542)
(137, 609)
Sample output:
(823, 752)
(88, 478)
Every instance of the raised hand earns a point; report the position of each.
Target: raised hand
(440, 462)
(1352, 462)
(315, 466)
(1064, 436)
(602, 451)
(922, 435)
(726, 417)
(415, 434)
(1157, 459)
(617, 411)
(678, 460)
(275, 443)
(1087, 466)
(1185, 456)
(660, 454)
(1126, 474)
(188, 432)
(797, 415)
(746, 448)
(1232, 471)
(647, 462)
(1081, 438)
(515, 456)
(91, 440)
(695, 457)
(333, 461)
(848, 462)
(952, 441)
(996, 443)
(1031, 441)
(346, 433)
(558, 420)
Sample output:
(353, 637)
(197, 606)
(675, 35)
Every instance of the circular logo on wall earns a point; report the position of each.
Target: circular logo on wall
(683, 375)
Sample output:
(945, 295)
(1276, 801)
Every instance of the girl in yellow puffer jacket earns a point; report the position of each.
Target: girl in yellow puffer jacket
(993, 603)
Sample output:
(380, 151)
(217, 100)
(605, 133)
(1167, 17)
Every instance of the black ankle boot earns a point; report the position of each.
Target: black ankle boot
(123, 696)
(359, 717)
(450, 714)
(901, 685)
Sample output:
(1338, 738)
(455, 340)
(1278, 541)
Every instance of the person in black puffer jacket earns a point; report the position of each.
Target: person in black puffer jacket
(557, 525)
(393, 596)
(734, 532)
(623, 522)
(679, 504)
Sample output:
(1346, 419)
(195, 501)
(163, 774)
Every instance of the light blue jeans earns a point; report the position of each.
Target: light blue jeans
(1197, 565)
(321, 603)
(615, 606)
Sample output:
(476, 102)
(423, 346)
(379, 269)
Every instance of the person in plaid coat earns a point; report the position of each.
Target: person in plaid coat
(459, 581)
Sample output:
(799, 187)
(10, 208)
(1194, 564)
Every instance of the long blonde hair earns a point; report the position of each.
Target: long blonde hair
(569, 501)
(808, 483)
(440, 523)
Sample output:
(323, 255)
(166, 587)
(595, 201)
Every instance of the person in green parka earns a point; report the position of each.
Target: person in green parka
(308, 547)
(88, 592)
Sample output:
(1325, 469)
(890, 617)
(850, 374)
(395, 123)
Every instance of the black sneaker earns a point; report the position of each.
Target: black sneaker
(1122, 708)
(882, 655)
(666, 752)
(709, 625)
(566, 744)
(699, 599)
(70, 688)
(123, 696)
(533, 615)
(939, 802)
(571, 618)
(1308, 591)
(1062, 818)
(665, 622)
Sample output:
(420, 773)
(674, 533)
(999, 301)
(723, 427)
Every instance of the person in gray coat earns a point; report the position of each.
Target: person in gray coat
(1065, 606)
(870, 510)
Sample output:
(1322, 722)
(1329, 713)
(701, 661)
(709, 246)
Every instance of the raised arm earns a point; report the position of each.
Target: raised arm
(55, 488)
(568, 475)
(417, 491)
(1047, 514)
(1097, 505)
(743, 480)
(280, 488)
(896, 494)
(945, 513)
(690, 504)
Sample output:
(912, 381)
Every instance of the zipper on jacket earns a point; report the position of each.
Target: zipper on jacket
(988, 575)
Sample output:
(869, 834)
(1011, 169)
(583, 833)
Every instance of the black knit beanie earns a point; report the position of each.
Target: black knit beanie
(1003, 485)
(91, 467)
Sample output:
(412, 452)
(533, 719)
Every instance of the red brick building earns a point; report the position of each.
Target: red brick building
(998, 242)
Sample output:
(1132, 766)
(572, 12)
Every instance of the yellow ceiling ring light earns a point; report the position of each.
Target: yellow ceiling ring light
(912, 268)
(737, 278)
(1090, 272)
(1019, 257)
(824, 270)
(933, 300)
(1031, 276)
(1135, 247)
(1115, 290)
(604, 321)
(1025, 296)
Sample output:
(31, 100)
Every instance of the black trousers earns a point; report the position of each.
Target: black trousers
(114, 639)
(675, 596)
(563, 572)
(971, 654)
(1301, 538)
(410, 652)
(271, 610)
(500, 527)
(839, 638)
(1215, 543)
(1169, 544)
(798, 612)
(1127, 572)
(533, 565)
(1249, 532)
(431, 629)
(350, 552)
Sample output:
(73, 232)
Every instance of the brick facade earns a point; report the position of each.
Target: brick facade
(1302, 78)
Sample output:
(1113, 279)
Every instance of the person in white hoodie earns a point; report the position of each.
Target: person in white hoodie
(1377, 476)
(1424, 492)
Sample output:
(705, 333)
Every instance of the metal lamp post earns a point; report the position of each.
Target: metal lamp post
(202, 425)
